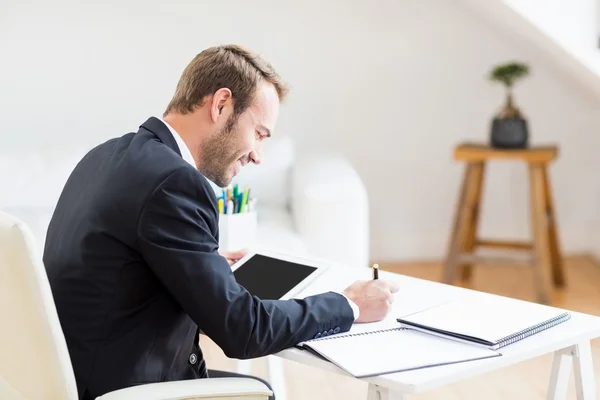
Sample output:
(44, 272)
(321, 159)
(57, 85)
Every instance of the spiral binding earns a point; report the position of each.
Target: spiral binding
(533, 330)
(501, 343)
(357, 334)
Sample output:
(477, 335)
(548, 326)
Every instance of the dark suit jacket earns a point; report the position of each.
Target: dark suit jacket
(131, 255)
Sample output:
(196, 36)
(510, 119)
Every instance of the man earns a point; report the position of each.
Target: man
(132, 248)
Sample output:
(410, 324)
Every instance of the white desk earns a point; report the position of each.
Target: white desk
(569, 341)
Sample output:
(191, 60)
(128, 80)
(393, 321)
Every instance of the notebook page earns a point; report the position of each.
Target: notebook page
(407, 301)
(487, 317)
(395, 350)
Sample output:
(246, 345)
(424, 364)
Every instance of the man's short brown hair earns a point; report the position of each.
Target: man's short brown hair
(228, 66)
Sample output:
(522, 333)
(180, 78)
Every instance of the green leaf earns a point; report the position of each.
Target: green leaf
(509, 73)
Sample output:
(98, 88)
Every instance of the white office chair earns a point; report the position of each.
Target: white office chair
(34, 360)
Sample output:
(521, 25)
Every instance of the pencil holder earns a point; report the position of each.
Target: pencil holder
(237, 231)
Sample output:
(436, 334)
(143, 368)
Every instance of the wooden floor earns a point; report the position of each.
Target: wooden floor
(527, 380)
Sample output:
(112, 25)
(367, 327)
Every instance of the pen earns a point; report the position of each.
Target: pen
(375, 271)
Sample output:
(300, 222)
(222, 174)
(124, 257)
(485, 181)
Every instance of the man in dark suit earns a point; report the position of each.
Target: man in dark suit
(132, 248)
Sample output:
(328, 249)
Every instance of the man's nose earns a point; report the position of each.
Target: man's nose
(255, 155)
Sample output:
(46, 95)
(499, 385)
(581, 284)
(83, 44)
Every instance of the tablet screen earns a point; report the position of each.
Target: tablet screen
(270, 278)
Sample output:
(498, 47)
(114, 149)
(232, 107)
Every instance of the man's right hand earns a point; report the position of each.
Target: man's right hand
(374, 298)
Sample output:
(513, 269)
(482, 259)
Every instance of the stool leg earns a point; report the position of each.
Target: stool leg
(461, 222)
(556, 260)
(541, 240)
(474, 205)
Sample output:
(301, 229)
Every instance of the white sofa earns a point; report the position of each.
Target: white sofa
(312, 205)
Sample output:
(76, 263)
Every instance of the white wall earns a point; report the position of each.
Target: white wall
(573, 22)
(393, 85)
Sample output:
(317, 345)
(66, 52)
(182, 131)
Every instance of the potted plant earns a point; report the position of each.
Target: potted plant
(509, 127)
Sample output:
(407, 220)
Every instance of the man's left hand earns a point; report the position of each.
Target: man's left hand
(233, 256)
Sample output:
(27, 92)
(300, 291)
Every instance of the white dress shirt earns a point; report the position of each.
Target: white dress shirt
(187, 156)
(183, 149)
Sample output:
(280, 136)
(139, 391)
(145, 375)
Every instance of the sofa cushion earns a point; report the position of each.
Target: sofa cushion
(35, 177)
(32, 181)
(275, 230)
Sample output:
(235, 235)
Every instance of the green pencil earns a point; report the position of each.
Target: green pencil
(244, 200)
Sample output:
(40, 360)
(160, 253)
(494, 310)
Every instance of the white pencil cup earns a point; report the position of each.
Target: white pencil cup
(237, 231)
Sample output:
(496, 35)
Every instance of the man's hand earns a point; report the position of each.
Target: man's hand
(233, 256)
(374, 298)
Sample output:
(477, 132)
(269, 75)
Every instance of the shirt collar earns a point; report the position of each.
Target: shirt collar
(185, 151)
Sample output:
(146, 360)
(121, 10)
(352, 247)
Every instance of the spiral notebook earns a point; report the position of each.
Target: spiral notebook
(392, 350)
(488, 320)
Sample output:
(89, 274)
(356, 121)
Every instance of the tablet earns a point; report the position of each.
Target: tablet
(271, 276)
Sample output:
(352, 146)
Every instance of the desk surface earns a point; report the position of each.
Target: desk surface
(417, 294)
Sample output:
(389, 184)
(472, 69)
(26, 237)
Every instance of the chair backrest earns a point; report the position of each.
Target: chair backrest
(34, 359)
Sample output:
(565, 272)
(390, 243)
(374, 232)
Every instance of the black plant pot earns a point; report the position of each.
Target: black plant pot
(509, 133)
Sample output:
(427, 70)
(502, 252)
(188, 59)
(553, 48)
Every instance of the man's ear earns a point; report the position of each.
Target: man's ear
(220, 100)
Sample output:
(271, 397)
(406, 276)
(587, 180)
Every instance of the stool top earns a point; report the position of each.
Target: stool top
(476, 152)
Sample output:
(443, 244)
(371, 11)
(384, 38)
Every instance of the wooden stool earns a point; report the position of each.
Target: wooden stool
(545, 256)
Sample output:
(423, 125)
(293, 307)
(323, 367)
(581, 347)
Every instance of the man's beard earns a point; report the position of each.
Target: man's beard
(218, 155)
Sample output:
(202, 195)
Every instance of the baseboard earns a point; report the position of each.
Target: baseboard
(592, 259)
(402, 247)
(593, 252)
(435, 262)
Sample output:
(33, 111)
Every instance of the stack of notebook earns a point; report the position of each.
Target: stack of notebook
(458, 331)
(491, 321)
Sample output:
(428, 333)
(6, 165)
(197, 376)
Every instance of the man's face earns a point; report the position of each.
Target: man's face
(231, 147)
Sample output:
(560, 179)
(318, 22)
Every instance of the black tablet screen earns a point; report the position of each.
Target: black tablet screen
(270, 278)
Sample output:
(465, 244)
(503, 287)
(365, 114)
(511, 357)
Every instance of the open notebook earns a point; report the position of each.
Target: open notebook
(392, 350)
(491, 321)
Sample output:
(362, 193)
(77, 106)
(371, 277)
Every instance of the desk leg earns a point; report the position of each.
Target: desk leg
(376, 392)
(581, 356)
(277, 377)
(243, 366)
(583, 368)
(559, 378)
